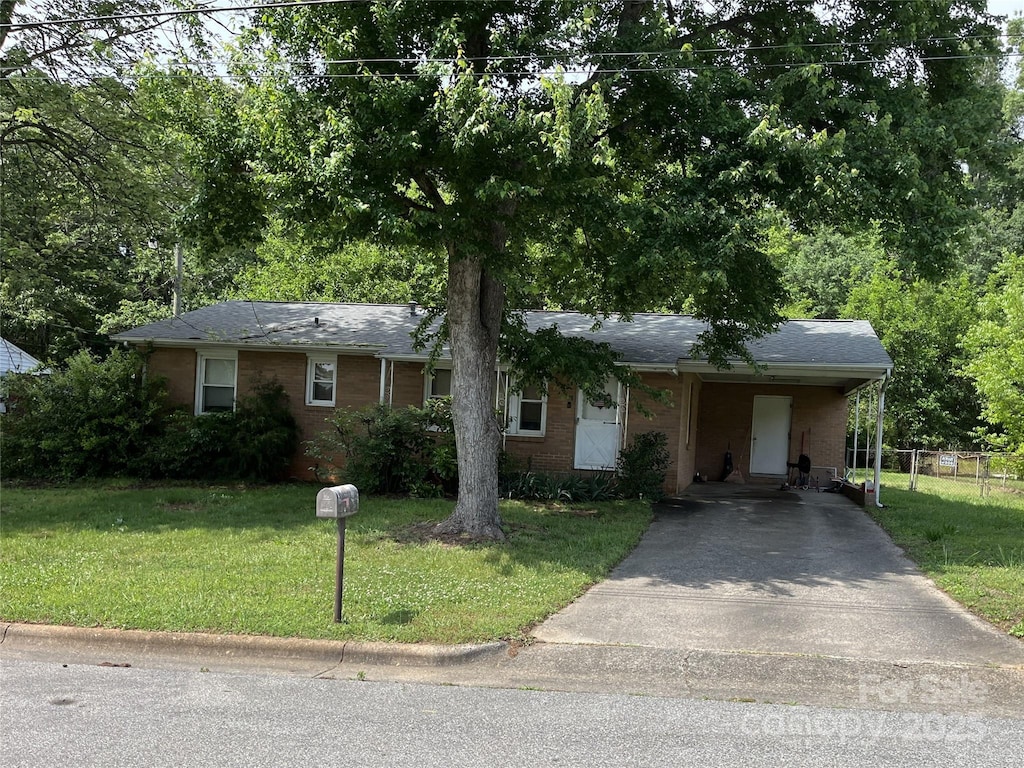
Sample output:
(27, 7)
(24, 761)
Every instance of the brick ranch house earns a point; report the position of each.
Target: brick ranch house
(350, 355)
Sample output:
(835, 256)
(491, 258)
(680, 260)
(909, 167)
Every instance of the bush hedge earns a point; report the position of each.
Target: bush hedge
(106, 418)
(92, 418)
(386, 450)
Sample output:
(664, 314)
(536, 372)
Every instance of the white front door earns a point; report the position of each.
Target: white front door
(599, 428)
(769, 435)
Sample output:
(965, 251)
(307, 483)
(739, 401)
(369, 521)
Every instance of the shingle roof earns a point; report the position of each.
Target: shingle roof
(385, 329)
(309, 324)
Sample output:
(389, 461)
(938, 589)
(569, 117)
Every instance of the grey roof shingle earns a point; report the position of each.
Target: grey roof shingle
(386, 329)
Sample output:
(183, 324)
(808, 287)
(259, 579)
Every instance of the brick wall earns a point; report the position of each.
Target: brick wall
(408, 385)
(554, 451)
(701, 421)
(664, 417)
(358, 384)
(726, 411)
(178, 367)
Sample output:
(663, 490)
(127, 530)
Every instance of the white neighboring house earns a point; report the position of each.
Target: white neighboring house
(13, 359)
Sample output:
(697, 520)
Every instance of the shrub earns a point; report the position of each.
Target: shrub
(384, 450)
(266, 435)
(255, 442)
(106, 418)
(643, 465)
(580, 489)
(91, 418)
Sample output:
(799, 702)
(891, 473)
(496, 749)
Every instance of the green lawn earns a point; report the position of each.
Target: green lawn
(257, 561)
(973, 548)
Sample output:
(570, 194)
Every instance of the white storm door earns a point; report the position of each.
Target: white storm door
(599, 428)
(769, 435)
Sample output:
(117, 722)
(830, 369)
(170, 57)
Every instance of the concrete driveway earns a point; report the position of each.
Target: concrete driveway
(755, 569)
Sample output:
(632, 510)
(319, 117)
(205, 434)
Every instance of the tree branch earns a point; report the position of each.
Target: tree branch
(725, 25)
(424, 182)
(413, 205)
(632, 12)
(6, 14)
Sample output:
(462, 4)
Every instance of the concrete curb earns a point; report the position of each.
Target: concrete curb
(203, 645)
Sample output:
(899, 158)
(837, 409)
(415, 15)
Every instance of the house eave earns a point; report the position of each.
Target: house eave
(341, 349)
(848, 376)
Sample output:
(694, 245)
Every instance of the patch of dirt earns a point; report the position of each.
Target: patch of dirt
(558, 506)
(422, 533)
(184, 506)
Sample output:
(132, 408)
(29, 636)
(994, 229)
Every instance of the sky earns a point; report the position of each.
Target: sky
(1006, 7)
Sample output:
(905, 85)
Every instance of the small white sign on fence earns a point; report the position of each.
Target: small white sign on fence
(947, 460)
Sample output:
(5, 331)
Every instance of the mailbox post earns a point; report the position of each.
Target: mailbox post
(339, 502)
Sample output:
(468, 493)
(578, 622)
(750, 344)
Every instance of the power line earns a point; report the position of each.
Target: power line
(683, 51)
(171, 13)
(598, 55)
(205, 10)
(420, 60)
(572, 71)
(577, 68)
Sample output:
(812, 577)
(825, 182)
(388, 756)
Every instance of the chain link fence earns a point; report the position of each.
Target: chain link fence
(968, 474)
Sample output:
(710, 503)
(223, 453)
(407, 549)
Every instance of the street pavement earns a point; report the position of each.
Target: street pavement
(86, 716)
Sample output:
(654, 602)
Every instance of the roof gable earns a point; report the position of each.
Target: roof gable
(13, 359)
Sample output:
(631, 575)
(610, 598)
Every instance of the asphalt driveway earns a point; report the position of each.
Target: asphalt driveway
(755, 569)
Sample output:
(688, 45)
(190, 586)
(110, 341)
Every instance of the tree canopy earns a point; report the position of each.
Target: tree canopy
(88, 182)
(996, 354)
(640, 143)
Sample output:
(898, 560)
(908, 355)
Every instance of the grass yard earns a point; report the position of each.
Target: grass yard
(973, 548)
(257, 561)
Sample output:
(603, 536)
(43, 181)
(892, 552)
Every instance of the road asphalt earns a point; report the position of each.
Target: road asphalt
(744, 593)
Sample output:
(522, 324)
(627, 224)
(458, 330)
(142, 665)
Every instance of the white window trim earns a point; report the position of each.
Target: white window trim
(428, 384)
(311, 363)
(515, 400)
(202, 355)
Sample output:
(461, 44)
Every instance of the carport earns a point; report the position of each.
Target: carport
(796, 400)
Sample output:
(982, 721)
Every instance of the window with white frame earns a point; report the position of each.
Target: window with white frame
(321, 380)
(439, 384)
(216, 375)
(528, 411)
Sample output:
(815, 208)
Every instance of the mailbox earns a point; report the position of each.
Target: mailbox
(337, 502)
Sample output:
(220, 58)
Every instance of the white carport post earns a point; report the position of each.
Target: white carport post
(502, 396)
(625, 419)
(383, 377)
(878, 439)
(856, 436)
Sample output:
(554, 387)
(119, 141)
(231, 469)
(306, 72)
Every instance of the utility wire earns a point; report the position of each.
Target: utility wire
(580, 70)
(577, 69)
(606, 54)
(172, 13)
(206, 10)
(597, 56)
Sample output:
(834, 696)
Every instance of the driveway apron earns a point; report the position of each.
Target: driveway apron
(754, 569)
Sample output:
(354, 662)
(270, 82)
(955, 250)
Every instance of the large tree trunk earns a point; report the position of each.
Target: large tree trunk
(475, 305)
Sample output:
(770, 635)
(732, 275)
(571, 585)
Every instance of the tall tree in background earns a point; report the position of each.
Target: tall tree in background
(87, 181)
(996, 354)
(641, 141)
(820, 269)
(930, 402)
